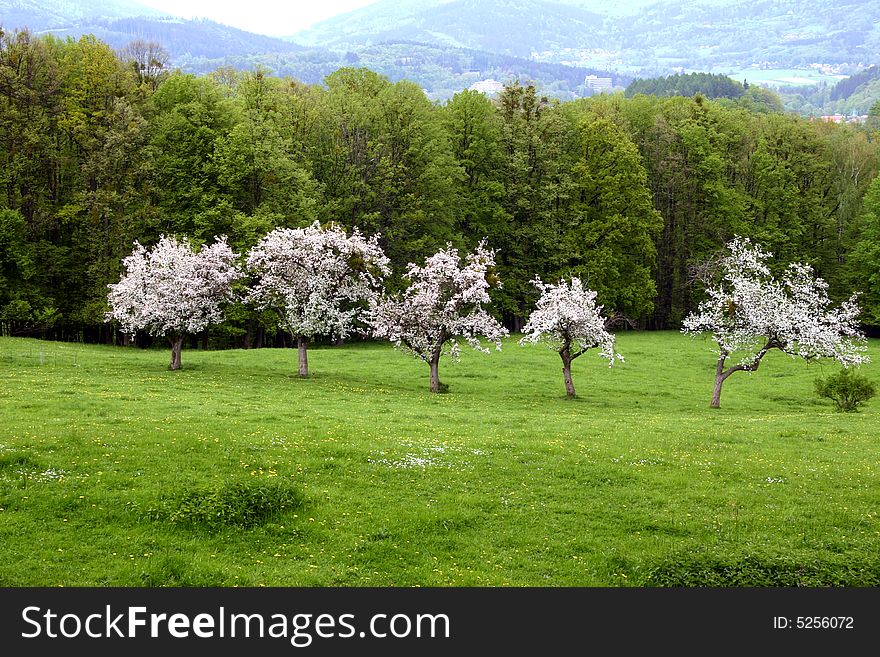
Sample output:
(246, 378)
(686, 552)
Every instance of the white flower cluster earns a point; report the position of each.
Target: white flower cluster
(172, 289)
(750, 312)
(567, 318)
(319, 280)
(444, 302)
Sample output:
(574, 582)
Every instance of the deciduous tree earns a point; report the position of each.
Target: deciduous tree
(318, 280)
(173, 290)
(444, 303)
(749, 312)
(569, 321)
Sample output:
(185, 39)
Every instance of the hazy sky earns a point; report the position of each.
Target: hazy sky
(273, 17)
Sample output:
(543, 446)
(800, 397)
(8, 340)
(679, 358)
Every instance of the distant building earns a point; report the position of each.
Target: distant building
(833, 118)
(489, 86)
(595, 83)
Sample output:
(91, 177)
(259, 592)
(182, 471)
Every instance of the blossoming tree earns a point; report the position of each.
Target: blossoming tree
(319, 280)
(444, 303)
(569, 321)
(750, 312)
(172, 290)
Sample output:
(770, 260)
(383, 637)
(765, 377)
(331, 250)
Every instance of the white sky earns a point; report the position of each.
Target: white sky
(272, 17)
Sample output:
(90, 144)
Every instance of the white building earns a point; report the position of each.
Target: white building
(595, 83)
(489, 86)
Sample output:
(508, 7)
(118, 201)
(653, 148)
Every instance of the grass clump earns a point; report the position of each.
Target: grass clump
(501, 482)
(710, 570)
(243, 504)
(847, 388)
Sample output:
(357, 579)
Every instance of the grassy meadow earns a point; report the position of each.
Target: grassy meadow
(233, 471)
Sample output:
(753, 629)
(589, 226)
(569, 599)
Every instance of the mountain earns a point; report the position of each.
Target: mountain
(39, 15)
(440, 70)
(118, 22)
(446, 45)
(638, 36)
(511, 27)
(773, 33)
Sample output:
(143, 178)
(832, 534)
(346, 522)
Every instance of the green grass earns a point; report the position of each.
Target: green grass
(786, 77)
(233, 471)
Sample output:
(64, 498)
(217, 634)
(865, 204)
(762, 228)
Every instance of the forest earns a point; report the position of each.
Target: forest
(632, 195)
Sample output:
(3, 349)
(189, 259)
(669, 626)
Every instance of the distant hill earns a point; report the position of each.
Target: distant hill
(441, 70)
(40, 15)
(446, 45)
(774, 33)
(118, 22)
(653, 38)
(846, 88)
(512, 27)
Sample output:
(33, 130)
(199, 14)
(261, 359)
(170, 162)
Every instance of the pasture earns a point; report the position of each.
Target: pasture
(234, 471)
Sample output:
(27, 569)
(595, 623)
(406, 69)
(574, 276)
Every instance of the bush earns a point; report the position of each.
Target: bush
(847, 388)
(234, 504)
(699, 569)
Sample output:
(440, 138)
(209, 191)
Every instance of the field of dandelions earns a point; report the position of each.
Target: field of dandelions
(234, 471)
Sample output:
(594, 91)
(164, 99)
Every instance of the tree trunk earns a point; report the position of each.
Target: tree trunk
(721, 374)
(303, 345)
(176, 345)
(435, 373)
(566, 373)
(716, 393)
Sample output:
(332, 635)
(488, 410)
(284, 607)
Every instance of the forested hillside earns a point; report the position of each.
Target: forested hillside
(800, 48)
(441, 71)
(118, 22)
(513, 27)
(649, 37)
(628, 194)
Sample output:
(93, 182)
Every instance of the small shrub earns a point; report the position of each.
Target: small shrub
(698, 569)
(847, 388)
(236, 504)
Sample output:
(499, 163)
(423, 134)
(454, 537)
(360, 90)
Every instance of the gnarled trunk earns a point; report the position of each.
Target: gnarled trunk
(434, 362)
(435, 373)
(176, 346)
(303, 346)
(716, 392)
(565, 354)
(721, 374)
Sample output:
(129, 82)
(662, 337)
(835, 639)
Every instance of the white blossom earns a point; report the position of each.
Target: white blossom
(750, 312)
(172, 290)
(318, 280)
(443, 305)
(567, 319)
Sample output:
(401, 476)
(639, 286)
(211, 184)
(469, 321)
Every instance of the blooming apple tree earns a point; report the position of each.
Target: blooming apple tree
(750, 312)
(443, 304)
(319, 280)
(172, 290)
(569, 321)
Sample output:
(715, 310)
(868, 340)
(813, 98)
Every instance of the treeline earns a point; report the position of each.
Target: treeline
(442, 70)
(627, 194)
(709, 85)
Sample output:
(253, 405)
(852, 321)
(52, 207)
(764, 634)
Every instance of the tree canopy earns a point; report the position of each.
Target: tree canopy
(627, 194)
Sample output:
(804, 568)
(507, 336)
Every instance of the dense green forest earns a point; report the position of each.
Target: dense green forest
(628, 193)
